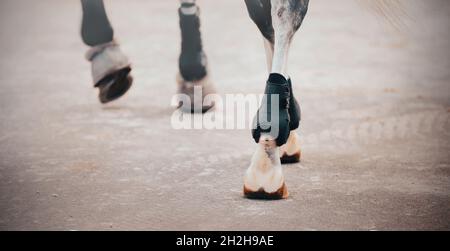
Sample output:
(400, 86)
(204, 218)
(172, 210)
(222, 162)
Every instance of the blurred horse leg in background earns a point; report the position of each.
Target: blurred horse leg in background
(192, 63)
(110, 66)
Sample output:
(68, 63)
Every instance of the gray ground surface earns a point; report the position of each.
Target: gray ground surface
(375, 130)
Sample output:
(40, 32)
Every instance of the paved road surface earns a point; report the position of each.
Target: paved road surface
(375, 129)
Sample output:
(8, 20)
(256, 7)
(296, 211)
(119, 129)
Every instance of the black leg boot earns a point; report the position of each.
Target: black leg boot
(193, 76)
(274, 124)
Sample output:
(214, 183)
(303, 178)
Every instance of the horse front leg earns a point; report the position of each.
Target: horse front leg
(289, 152)
(279, 114)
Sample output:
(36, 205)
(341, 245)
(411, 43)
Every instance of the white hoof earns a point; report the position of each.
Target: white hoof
(264, 178)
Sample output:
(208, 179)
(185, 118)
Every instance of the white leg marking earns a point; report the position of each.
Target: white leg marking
(265, 170)
(269, 54)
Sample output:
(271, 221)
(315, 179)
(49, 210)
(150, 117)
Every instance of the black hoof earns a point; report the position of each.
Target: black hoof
(281, 193)
(114, 85)
(290, 159)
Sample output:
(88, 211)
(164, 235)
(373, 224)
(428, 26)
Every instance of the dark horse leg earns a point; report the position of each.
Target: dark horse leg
(192, 63)
(110, 67)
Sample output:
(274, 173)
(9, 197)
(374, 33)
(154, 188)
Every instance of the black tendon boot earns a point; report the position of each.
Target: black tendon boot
(275, 125)
(290, 153)
(192, 61)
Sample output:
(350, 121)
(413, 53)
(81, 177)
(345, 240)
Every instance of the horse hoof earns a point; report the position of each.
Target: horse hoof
(196, 92)
(114, 85)
(290, 159)
(290, 152)
(281, 193)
